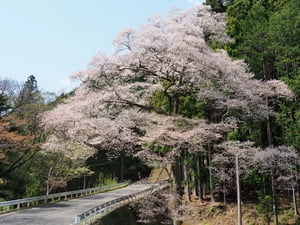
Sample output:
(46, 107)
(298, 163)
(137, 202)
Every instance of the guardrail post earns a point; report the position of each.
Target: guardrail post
(77, 219)
(95, 213)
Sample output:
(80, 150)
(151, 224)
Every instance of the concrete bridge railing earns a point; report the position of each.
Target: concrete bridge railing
(95, 213)
(28, 202)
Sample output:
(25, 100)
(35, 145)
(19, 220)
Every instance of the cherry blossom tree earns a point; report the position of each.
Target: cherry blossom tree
(183, 137)
(288, 178)
(280, 163)
(170, 55)
(241, 154)
(222, 168)
(153, 209)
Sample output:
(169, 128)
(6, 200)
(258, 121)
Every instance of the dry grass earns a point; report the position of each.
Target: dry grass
(217, 214)
(158, 174)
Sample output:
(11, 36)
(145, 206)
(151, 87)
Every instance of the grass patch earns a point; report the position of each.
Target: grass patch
(158, 174)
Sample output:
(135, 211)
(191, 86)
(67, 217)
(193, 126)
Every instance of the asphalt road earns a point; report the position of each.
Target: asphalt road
(63, 213)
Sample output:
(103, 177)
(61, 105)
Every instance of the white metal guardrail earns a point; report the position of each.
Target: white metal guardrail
(27, 202)
(97, 212)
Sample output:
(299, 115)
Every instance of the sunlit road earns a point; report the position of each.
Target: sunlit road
(63, 213)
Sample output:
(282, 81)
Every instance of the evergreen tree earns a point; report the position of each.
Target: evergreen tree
(3, 104)
(218, 5)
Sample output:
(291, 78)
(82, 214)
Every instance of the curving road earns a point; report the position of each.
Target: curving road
(63, 213)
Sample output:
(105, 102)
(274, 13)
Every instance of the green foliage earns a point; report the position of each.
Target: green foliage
(17, 185)
(160, 149)
(249, 130)
(248, 24)
(289, 120)
(264, 206)
(266, 35)
(188, 105)
(103, 179)
(160, 101)
(34, 188)
(284, 31)
(233, 135)
(191, 108)
(253, 178)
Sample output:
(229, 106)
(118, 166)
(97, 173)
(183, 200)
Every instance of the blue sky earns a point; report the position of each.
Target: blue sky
(52, 39)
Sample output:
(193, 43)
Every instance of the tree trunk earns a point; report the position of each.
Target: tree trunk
(224, 195)
(295, 201)
(269, 135)
(237, 172)
(195, 180)
(274, 198)
(122, 167)
(48, 181)
(264, 185)
(296, 174)
(176, 188)
(84, 180)
(212, 200)
(48, 188)
(199, 185)
(187, 190)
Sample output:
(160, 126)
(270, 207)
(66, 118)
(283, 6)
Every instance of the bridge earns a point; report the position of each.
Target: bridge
(81, 210)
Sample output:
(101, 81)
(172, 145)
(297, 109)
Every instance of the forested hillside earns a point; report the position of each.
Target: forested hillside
(30, 166)
(209, 95)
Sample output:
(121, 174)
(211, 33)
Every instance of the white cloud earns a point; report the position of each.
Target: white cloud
(66, 84)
